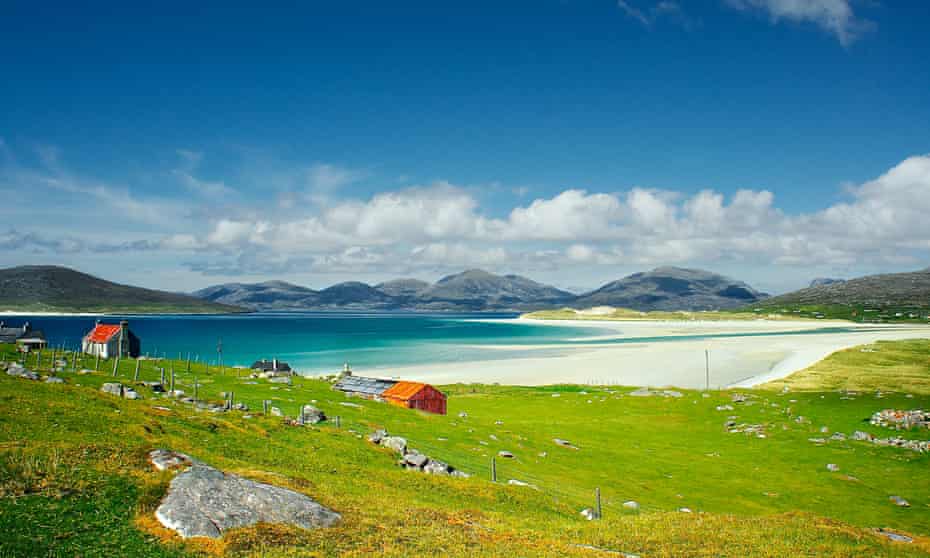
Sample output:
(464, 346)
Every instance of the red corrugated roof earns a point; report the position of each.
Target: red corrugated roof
(403, 390)
(102, 333)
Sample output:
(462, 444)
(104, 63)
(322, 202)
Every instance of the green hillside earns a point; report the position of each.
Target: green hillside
(39, 288)
(74, 480)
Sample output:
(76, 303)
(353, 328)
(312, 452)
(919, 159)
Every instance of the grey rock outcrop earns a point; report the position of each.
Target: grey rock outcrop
(312, 415)
(205, 502)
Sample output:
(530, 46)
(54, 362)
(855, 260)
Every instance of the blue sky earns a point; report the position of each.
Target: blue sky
(571, 141)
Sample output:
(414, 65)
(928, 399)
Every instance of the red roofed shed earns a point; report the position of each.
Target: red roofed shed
(414, 395)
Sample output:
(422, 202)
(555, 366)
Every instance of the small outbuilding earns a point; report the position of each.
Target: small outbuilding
(25, 338)
(111, 340)
(410, 395)
(274, 366)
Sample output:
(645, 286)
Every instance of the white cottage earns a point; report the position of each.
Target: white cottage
(110, 340)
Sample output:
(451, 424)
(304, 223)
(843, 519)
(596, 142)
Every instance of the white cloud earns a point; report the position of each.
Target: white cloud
(881, 222)
(834, 16)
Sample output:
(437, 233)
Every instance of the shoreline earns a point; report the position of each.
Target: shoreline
(766, 351)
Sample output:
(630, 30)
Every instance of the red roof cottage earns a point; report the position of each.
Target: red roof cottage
(110, 340)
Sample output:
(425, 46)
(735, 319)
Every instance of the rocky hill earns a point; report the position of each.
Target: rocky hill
(672, 288)
(44, 288)
(910, 289)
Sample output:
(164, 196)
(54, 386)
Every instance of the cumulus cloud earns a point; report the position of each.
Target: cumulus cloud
(443, 227)
(834, 16)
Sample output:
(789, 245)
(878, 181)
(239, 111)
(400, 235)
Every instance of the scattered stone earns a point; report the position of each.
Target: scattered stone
(833, 467)
(112, 388)
(901, 420)
(556, 395)
(166, 460)
(498, 422)
(276, 412)
(515, 482)
(588, 514)
(463, 414)
(205, 502)
(565, 443)
(54, 380)
(434, 467)
(817, 440)
(312, 415)
(738, 398)
(395, 443)
(376, 436)
(899, 501)
(350, 404)
(17, 371)
(838, 437)
(505, 454)
(724, 407)
(631, 505)
(280, 380)
(685, 510)
(415, 459)
(896, 537)
(860, 436)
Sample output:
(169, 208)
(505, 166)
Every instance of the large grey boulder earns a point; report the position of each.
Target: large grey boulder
(205, 502)
(436, 468)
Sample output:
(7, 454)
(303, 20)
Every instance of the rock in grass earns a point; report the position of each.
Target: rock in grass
(376, 436)
(312, 415)
(899, 501)
(164, 460)
(54, 380)
(896, 537)
(113, 388)
(436, 468)
(415, 459)
(395, 443)
(565, 443)
(276, 412)
(833, 467)
(205, 502)
(505, 454)
(631, 505)
(588, 514)
(516, 482)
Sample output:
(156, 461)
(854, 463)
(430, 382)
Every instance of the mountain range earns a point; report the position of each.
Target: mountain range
(477, 290)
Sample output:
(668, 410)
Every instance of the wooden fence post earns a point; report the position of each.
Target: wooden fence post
(597, 504)
(135, 376)
(115, 366)
(493, 469)
(265, 407)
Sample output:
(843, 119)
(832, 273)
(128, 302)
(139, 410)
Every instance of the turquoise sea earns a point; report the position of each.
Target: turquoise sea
(320, 342)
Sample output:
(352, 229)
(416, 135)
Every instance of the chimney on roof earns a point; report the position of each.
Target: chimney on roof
(274, 364)
(346, 371)
(26, 327)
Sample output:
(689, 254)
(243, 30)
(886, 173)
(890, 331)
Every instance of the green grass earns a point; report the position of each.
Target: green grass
(73, 476)
(852, 313)
(626, 314)
(902, 366)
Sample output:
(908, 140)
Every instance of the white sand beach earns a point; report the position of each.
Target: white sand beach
(743, 353)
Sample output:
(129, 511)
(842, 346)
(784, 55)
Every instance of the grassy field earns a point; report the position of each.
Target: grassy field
(902, 366)
(73, 476)
(761, 310)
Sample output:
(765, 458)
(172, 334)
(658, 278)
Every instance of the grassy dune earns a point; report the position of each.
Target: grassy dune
(73, 477)
(902, 366)
(626, 314)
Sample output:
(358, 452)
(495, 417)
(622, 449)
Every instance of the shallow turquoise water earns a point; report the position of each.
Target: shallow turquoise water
(320, 342)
